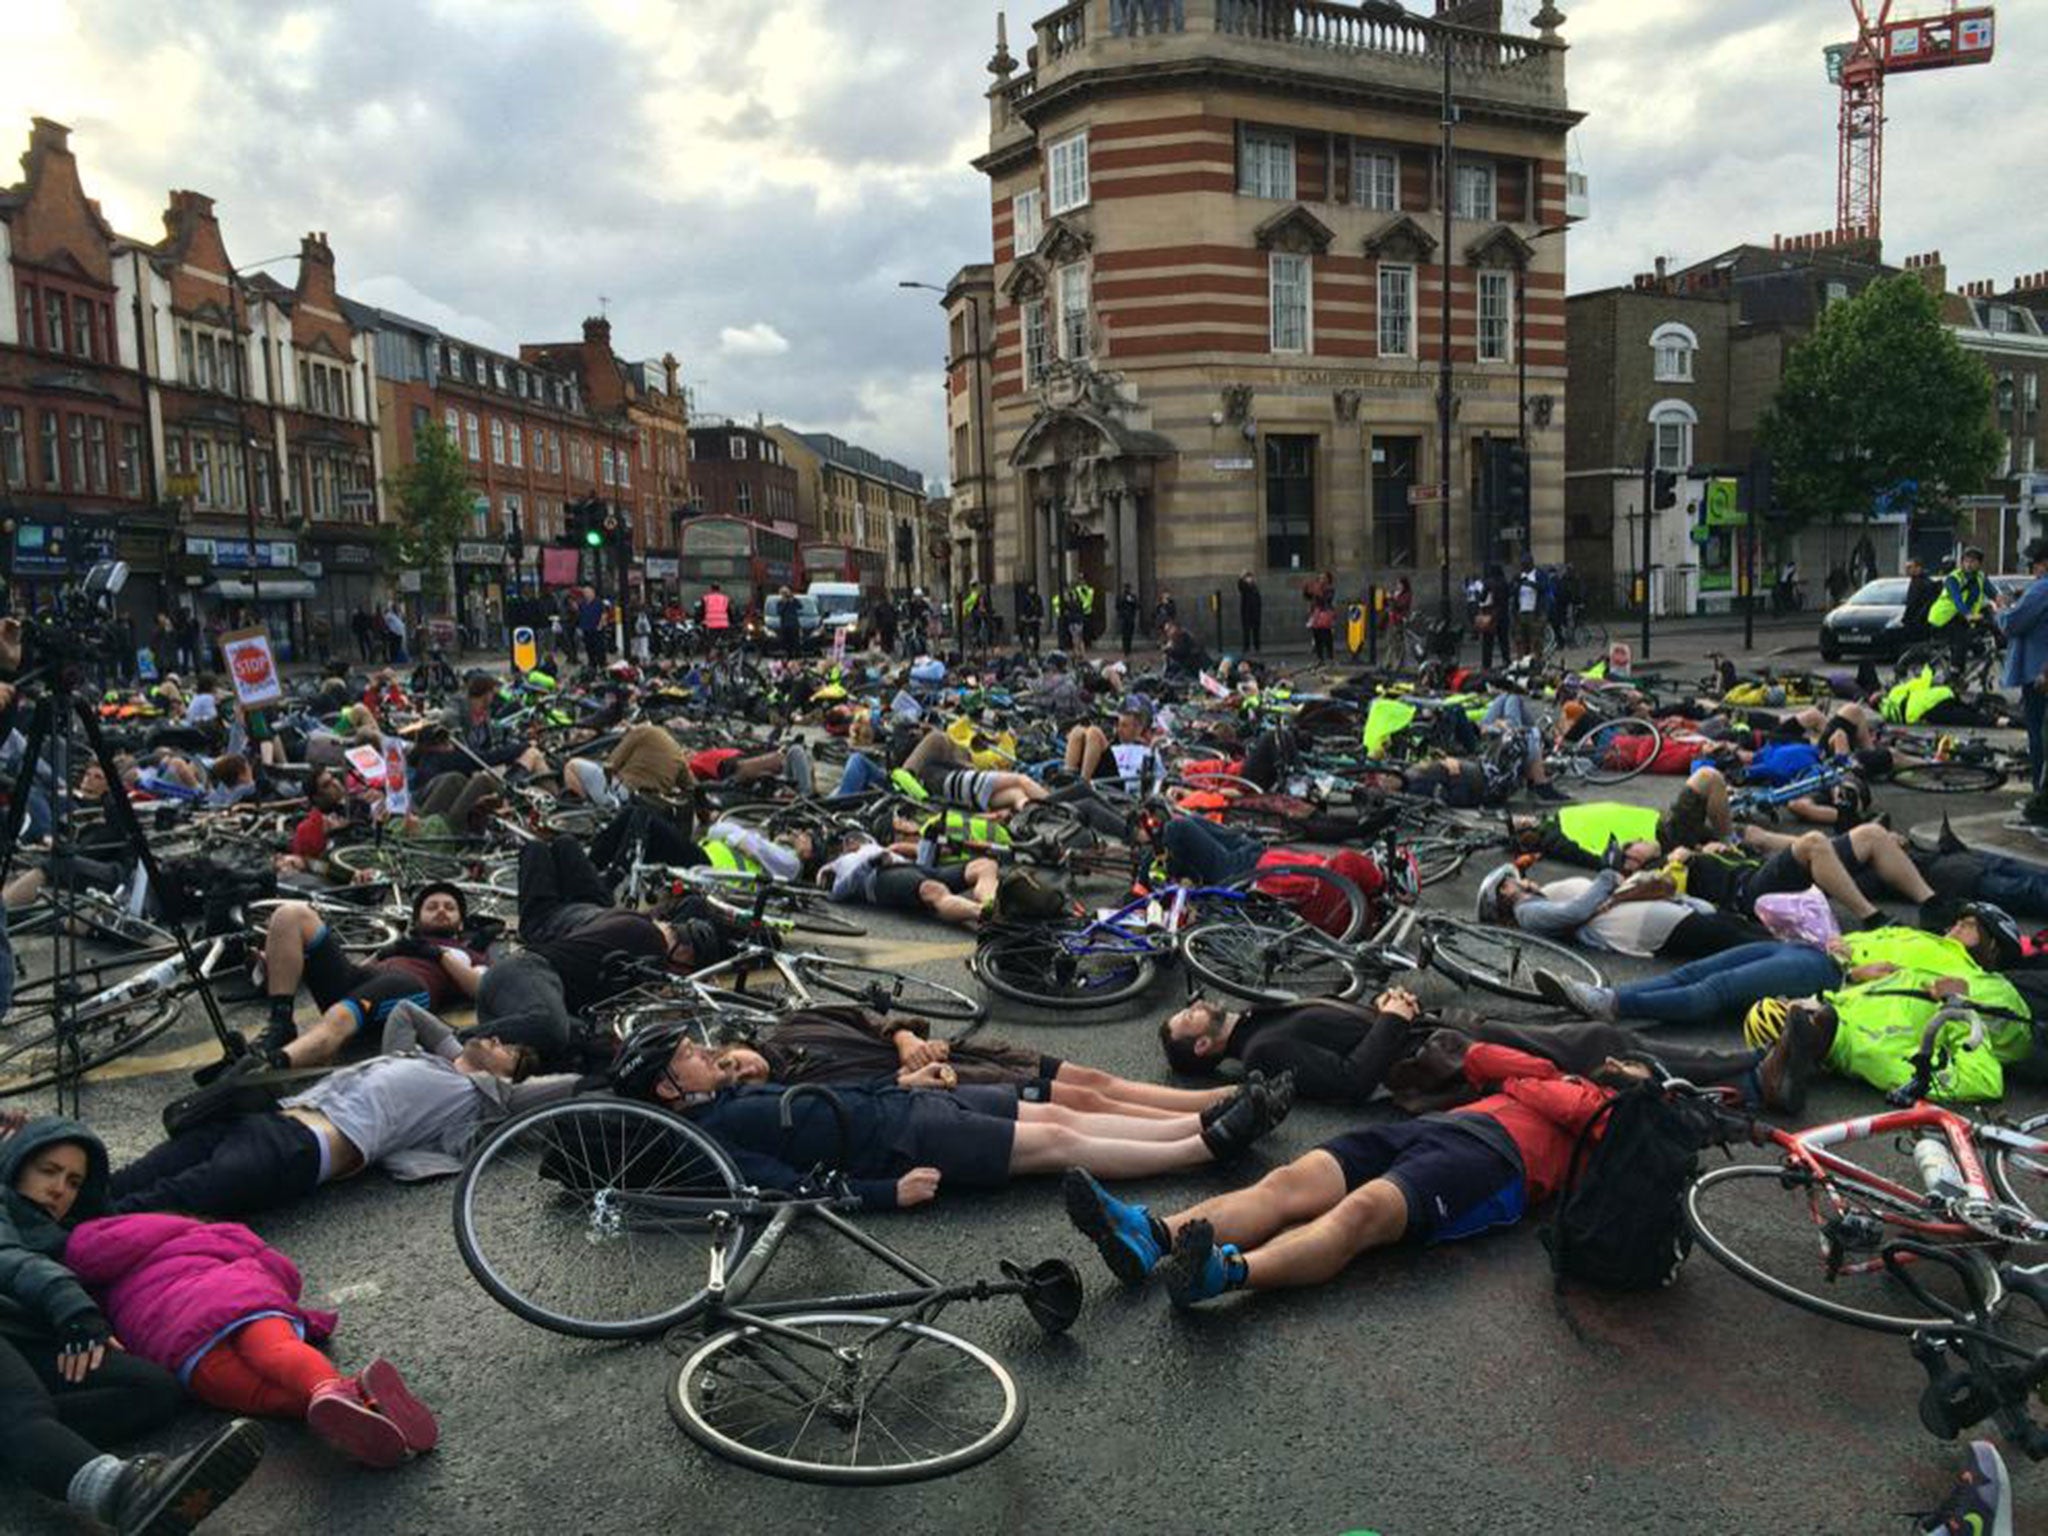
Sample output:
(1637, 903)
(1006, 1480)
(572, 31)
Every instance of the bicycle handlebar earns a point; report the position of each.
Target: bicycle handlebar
(1932, 1056)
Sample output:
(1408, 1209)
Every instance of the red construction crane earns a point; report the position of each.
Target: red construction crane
(1884, 46)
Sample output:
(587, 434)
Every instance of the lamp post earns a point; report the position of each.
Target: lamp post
(984, 534)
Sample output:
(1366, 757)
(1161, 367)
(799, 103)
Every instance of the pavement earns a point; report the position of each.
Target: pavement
(1423, 1392)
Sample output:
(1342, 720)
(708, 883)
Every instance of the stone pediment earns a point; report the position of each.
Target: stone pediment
(1500, 246)
(1296, 231)
(320, 346)
(1064, 240)
(1026, 281)
(1400, 239)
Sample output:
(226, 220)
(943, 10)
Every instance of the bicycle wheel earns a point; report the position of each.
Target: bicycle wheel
(1044, 968)
(1503, 961)
(357, 932)
(1309, 894)
(1615, 750)
(559, 1216)
(1949, 778)
(1269, 962)
(887, 991)
(1438, 858)
(842, 1397)
(2021, 1176)
(32, 1057)
(1775, 1227)
(400, 863)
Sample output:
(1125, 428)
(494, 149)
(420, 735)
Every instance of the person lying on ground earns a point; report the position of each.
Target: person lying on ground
(1640, 914)
(1432, 1180)
(876, 874)
(413, 1110)
(433, 965)
(68, 1388)
(1200, 852)
(1344, 1052)
(845, 1044)
(210, 1302)
(902, 1144)
(1849, 868)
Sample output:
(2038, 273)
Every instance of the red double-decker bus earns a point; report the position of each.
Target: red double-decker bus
(864, 568)
(749, 561)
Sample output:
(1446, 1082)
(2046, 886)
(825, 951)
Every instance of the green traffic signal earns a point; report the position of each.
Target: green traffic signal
(593, 537)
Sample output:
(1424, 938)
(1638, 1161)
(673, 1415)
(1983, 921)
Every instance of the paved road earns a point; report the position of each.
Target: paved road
(1445, 1391)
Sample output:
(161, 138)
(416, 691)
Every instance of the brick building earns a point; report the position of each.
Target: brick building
(532, 443)
(1218, 258)
(741, 471)
(659, 408)
(263, 399)
(78, 476)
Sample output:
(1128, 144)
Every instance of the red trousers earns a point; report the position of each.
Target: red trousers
(264, 1369)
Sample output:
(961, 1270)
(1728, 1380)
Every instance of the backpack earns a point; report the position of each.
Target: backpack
(1022, 897)
(1620, 1218)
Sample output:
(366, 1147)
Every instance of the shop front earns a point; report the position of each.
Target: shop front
(480, 574)
(233, 596)
(345, 572)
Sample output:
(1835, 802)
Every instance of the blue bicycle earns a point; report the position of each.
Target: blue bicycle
(1086, 963)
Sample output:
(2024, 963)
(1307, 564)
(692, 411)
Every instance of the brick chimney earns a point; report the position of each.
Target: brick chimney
(316, 271)
(1927, 266)
(598, 331)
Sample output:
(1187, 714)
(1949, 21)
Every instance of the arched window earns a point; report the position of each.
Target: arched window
(1674, 345)
(1671, 422)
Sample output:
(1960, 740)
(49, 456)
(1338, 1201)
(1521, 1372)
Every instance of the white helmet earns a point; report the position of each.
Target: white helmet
(1488, 910)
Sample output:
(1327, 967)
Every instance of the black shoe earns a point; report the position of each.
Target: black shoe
(1549, 794)
(1947, 841)
(159, 1497)
(230, 1092)
(1877, 919)
(1276, 1096)
(236, 1047)
(1784, 1072)
(1232, 1133)
(1222, 1107)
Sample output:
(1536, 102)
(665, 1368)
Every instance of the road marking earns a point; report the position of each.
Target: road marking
(912, 952)
(141, 1066)
(361, 1290)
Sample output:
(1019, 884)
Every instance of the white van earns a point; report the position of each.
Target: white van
(839, 604)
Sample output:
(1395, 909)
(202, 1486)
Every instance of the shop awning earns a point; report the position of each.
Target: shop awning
(277, 589)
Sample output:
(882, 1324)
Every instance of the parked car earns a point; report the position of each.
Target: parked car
(809, 621)
(1871, 624)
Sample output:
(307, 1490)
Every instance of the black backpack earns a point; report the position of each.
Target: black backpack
(1620, 1218)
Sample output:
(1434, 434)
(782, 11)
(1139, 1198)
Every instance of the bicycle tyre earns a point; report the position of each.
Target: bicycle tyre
(398, 862)
(30, 1061)
(1438, 858)
(2004, 1163)
(357, 932)
(1334, 888)
(1950, 778)
(1790, 1180)
(520, 1180)
(1035, 967)
(888, 991)
(1246, 959)
(759, 1367)
(1606, 760)
(1502, 961)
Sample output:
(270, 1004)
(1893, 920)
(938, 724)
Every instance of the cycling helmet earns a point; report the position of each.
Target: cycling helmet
(1996, 925)
(645, 1055)
(1973, 553)
(1489, 907)
(1765, 1022)
(441, 888)
(701, 936)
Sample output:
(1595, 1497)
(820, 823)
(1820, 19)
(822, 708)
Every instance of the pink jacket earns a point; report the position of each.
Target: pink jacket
(171, 1284)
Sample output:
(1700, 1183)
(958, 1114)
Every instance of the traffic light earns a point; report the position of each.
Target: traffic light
(1664, 494)
(618, 526)
(1513, 481)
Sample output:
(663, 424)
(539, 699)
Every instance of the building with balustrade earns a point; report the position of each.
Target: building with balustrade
(1220, 250)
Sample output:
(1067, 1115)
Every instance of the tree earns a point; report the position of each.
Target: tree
(1880, 396)
(434, 500)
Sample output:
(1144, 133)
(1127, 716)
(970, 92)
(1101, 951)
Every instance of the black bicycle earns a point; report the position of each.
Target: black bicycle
(581, 1216)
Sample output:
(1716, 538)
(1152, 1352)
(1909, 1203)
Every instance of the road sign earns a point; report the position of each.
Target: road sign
(1422, 495)
(358, 501)
(525, 649)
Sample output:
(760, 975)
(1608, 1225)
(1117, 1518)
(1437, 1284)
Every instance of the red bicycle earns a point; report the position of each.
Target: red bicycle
(1851, 1243)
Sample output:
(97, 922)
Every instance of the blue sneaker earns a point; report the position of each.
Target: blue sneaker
(1124, 1234)
(1199, 1268)
(1980, 1504)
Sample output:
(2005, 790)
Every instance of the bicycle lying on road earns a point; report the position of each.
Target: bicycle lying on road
(581, 1217)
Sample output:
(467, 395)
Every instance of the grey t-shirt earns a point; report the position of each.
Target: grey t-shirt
(397, 1104)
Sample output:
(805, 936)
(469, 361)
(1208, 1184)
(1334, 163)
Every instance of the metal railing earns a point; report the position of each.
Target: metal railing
(1337, 28)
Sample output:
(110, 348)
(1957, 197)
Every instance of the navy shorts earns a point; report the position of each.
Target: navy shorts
(1455, 1184)
(369, 993)
(966, 1134)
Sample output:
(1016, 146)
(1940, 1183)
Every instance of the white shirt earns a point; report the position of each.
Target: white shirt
(1525, 592)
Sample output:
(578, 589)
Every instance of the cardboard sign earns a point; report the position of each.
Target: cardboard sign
(368, 763)
(252, 666)
(525, 650)
(397, 796)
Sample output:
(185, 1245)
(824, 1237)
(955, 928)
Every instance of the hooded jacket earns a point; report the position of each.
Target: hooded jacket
(173, 1284)
(38, 1295)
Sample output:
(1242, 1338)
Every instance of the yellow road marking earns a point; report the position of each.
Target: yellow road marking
(911, 952)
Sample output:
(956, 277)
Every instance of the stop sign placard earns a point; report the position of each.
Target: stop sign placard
(252, 667)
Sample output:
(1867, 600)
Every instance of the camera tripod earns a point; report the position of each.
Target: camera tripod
(58, 710)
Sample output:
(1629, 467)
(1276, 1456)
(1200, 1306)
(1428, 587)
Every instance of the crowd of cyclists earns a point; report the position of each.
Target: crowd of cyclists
(460, 902)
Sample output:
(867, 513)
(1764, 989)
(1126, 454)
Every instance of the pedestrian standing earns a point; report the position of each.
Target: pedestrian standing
(789, 623)
(359, 626)
(1321, 595)
(1494, 608)
(395, 633)
(323, 637)
(2025, 626)
(1127, 616)
(643, 638)
(1251, 611)
(1165, 611)
(1030, 619)
(1528, 609)
(590, 625)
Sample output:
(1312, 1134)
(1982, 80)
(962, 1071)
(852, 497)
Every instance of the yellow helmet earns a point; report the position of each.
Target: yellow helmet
(1765, 1022)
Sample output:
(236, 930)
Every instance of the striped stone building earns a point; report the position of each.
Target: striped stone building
(1218, 249)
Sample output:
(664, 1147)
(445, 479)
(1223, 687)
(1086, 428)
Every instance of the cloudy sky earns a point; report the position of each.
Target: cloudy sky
(744, 182)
